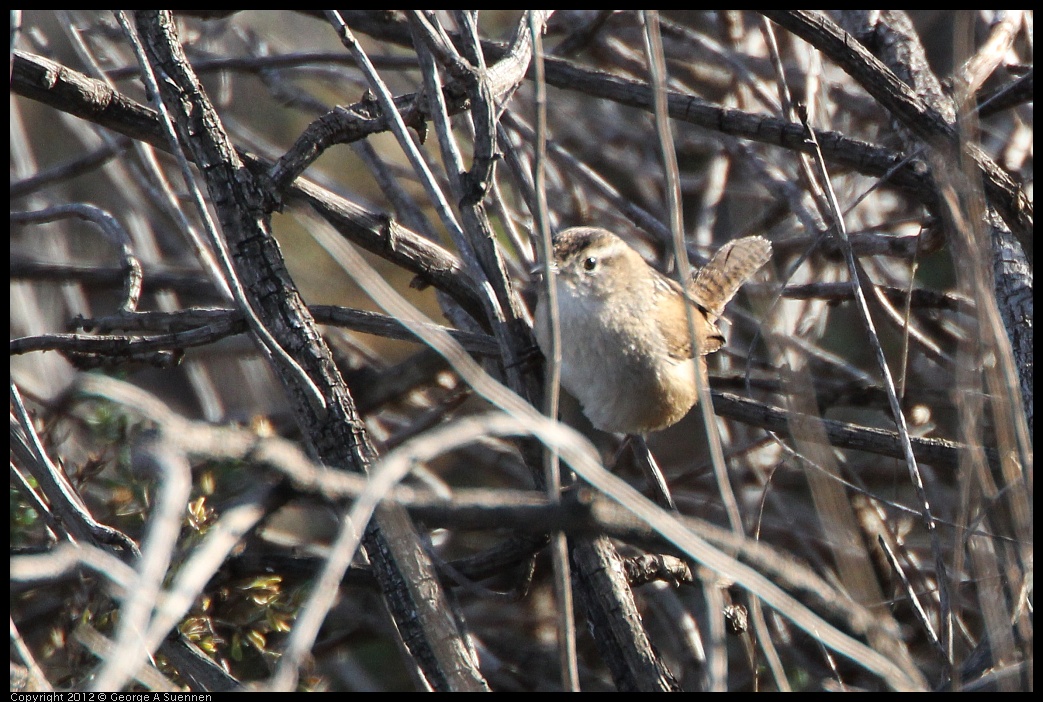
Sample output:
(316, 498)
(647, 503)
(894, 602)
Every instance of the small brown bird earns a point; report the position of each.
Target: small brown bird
(627, 352)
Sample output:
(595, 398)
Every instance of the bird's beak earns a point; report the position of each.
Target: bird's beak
(536, 272)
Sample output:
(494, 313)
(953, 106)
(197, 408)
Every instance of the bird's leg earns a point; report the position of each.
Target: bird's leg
(646, 461)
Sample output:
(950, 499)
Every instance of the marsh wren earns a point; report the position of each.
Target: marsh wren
(626, 348)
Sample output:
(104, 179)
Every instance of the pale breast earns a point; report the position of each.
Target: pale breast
(626, 381)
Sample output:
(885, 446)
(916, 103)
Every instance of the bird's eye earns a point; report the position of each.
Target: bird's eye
(590, 263)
